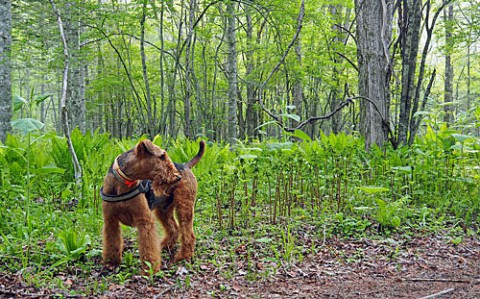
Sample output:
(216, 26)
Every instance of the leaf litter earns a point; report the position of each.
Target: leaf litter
(405, 267)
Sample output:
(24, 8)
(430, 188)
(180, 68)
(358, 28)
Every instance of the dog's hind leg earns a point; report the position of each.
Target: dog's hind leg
(185, 215)
(170, 226)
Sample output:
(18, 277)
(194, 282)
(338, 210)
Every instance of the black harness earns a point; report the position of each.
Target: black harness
(145, 186)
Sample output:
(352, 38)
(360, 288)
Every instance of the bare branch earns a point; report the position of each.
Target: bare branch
(349, 61)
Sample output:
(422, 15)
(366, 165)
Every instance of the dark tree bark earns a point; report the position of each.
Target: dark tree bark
(410, 18)
(374, 33)
(5, 68)
(418, 99)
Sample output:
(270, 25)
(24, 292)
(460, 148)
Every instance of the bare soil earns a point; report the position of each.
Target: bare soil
(419, 267)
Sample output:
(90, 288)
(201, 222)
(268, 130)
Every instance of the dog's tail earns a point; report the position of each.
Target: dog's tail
(197, 158)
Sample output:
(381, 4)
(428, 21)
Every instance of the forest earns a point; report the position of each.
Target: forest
(342, 156)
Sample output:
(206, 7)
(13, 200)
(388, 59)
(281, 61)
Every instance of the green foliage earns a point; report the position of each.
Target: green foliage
(72, 245)
(272, 202)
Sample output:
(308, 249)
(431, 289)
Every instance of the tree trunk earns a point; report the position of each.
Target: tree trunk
(448, 82)
(76, 76)
(5, 68)
(374, 33)
(231, 73)
(251, 115)
(63, 103)
(409, 23)
(151, 121)
(339, 41)
(414, 122)
(189, 69)
(297, 91)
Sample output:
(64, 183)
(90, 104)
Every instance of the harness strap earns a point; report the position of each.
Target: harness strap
(143, 187)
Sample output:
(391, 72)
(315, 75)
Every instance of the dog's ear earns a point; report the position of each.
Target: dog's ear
(144, 147)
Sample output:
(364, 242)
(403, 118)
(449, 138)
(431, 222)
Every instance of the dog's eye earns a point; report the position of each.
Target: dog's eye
(162, 157)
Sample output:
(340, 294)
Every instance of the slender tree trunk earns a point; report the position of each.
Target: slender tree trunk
(339, 41)
(251, 114)
(232, 73)
(189, 69)
(163, 117)
(151, 122)
(172, 106)
(430, 22)
(297, 90)
(409, 22)
(63, 103)
(448, 82)
(217, 107)
(374, 32)
(76, 76)
(5, 68)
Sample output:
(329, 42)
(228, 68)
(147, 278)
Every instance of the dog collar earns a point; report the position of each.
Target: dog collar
(121, 176)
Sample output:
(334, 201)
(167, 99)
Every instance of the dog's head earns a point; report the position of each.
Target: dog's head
(148, 161)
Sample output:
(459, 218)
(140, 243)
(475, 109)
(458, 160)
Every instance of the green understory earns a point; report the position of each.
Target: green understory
(260, 207)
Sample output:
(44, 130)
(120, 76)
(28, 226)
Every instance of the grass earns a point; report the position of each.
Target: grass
(260, 208)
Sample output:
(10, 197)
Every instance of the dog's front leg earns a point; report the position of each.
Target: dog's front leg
(112, 243)
(149, 245)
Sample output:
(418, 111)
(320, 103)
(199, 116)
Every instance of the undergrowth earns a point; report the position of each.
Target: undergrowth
(260, 207)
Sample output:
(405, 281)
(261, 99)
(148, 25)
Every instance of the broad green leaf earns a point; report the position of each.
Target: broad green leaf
(280, 145)
(403, 168)
(19, 102)
(302, 135)
(27, 125)
(292, 116)
(47, 170)
(266, 124)
(39, 99)
(461, 137)
(421, 113)
(447, 104)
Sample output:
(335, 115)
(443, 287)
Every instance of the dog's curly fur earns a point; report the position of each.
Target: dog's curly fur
(175, 190)
(180, 200)
(145, 161)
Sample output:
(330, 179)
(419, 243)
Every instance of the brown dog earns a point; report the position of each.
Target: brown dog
(124, 201)
(180, 198)
(128, 199)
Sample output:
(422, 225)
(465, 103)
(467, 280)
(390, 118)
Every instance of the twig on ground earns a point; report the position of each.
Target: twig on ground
(444, 292)
(442, 280)
(167, 290)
